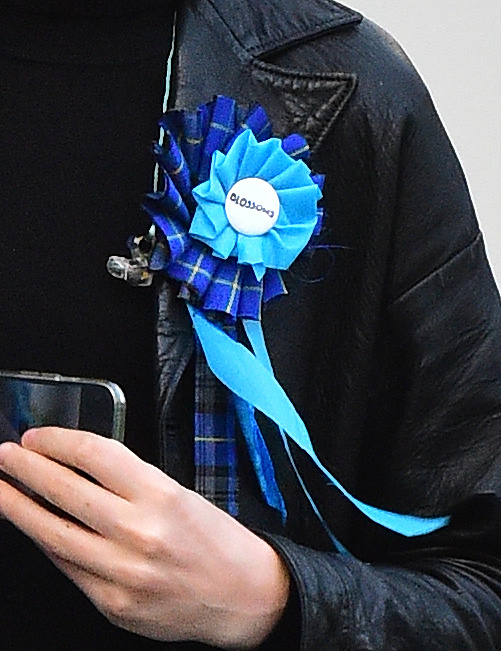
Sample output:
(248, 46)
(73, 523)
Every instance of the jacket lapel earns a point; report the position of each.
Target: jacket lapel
(264, 28)
(308, 103)
(261, 35)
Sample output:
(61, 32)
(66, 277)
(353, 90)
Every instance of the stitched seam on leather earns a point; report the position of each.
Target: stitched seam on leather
(341, 83)
(272, 69)
(475, 242)
(343, 98)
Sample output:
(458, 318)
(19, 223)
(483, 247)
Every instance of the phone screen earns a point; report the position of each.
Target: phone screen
(32, 401)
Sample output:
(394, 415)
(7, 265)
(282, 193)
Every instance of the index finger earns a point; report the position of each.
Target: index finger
(107, 461)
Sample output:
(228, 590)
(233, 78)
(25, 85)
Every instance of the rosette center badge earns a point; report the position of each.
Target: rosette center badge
(264, 203)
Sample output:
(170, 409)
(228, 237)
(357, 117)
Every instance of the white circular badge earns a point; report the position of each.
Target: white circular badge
(252, 206)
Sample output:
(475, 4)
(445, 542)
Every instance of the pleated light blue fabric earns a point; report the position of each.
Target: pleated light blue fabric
(297, 191)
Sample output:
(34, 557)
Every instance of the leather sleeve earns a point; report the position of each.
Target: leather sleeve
(433, 602)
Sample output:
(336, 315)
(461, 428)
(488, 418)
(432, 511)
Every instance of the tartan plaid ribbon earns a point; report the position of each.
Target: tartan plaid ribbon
(216, 472)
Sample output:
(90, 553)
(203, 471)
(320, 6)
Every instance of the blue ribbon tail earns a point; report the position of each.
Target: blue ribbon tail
(260, 457)
(237, 368)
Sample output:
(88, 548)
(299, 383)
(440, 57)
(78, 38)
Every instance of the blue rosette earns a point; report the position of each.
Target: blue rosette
(238, 207)
(203, 155)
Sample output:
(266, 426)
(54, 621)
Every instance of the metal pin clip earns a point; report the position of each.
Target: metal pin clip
(135, 270)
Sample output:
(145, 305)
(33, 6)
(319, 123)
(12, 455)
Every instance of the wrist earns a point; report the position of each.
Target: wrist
(260, 597)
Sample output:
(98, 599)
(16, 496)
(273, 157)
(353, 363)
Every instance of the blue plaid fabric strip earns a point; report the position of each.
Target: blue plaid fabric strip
(216, 472)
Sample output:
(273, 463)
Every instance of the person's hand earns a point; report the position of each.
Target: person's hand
(154, 557)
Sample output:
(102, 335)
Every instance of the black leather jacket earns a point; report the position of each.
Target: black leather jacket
(393, 358)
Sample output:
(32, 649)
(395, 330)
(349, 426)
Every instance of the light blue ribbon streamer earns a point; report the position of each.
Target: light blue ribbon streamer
(238, 369)
(255, 335)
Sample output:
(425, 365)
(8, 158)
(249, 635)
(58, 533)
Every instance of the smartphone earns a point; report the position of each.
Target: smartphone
(29, 399)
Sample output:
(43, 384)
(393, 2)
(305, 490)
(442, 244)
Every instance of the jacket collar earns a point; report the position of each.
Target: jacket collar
(249, 21)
